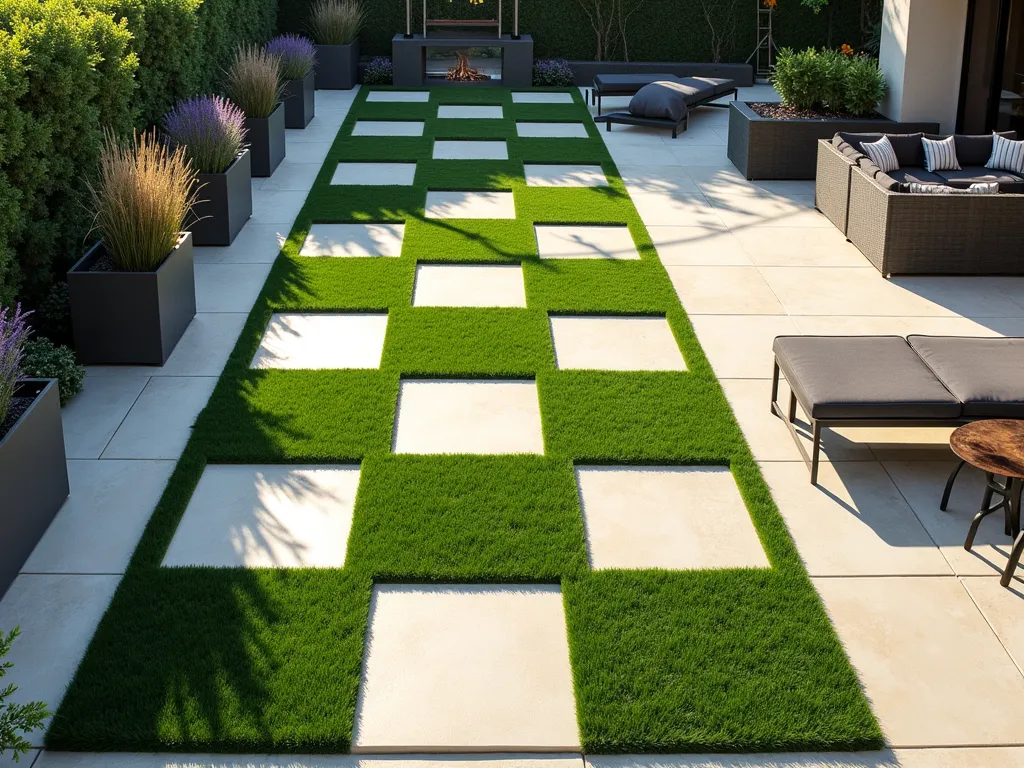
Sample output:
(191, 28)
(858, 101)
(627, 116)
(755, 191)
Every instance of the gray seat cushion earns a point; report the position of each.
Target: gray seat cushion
(627, 84)
(696, 89)
(862, 377)
(920, 175)
(962, 179)
(720, 84)
(987, 375)
(663, 100)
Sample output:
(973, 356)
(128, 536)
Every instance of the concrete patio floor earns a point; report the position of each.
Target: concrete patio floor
(938, 645)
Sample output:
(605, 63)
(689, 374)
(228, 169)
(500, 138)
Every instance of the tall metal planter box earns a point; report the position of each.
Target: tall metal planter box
(225, 203)
(266, 141)
(768, 148)
(300, 101)
(132, 317)
(337, 66)
(33, 476)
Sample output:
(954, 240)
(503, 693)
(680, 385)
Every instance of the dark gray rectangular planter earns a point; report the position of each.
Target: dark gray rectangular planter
(266, 141)
(764, 148)
(299, 101)
(337, 66)
(225, 203)
(132, 317)
(33, 476)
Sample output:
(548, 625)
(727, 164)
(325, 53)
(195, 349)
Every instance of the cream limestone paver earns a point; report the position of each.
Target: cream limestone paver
(692, 210)
(388, 128)
(275, 516)
(469, 285)
(854, 523)
(615, 344)
(291, 176)
(94, 414)
(1004, 610)
(469, 112)
(256, 243)
(934, 671)
(470, 150)
(375, 174)
(551, 130)
(740, 211)
(658, 180)
(229, 287)
(688, 155)
(884, 759)
(99, 525)
(318, 341)
(724, 291)
(666, 517)
(538, 97)
(482, 417)
(402, 96)
(353, 240)
(740, 346)
(466, 667)
(798, 247)
(585, 242)
(470, 205)
(546, 175)
(167, 760)
(697, 246)
(628, 154)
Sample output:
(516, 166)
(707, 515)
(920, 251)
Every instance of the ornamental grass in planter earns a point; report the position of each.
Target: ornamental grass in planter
(298, 59)
(254, 84)
(133, 293)
(335, 27)
(211, 131)
(33, 470)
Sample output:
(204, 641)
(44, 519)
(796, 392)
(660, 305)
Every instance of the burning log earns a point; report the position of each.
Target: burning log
(462, 71)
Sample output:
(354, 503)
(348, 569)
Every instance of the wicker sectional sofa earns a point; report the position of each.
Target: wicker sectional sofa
(905, 234)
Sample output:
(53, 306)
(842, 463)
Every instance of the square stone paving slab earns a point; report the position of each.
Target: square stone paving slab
(551, 130)
(666, 517)
(583, 242)
(544, 175)
(480, 417)
(470, 150)
(274, 516)
(402, 96)
(470, 205)
(316, 341)
(353, 240)
(469, 285)
(469, 112)
(174, 760)
(388, 128)
(536, 97)
(375, 174)
(466, 667)
(615, 344)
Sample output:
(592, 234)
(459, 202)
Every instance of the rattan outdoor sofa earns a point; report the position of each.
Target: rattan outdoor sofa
(902, 233)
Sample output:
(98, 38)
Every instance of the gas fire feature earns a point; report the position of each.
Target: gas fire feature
(465, 64)
(462, 72)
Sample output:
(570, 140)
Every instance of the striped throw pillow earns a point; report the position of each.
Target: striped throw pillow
(1006, 155)
(979, 188)
(940, 155)
(882, 154)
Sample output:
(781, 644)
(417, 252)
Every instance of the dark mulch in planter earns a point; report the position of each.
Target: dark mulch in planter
(18, 407)
(778, 111)
(105, 263)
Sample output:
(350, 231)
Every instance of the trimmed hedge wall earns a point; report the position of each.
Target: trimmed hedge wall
(69, 68)
(661, 30)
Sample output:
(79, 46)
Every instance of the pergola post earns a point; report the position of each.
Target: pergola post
(408, 19)
(515, 20)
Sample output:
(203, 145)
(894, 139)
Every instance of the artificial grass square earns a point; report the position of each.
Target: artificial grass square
(599, 286)
(363, 204)
(452, 518)
(468, 341)
(324, 283)
(469, 174)
(469, 240)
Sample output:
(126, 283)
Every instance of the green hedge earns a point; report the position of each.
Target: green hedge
(661, 30)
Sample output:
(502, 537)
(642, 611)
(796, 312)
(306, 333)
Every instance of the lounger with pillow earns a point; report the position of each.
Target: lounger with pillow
(666, 103)
(627, 85)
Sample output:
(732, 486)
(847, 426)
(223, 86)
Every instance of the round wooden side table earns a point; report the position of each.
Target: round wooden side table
(996, 447)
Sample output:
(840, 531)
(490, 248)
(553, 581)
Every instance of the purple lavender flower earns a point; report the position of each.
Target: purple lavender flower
(379, 71)
(210, 128)
(297, 54)
(553, 72)
(13, 334)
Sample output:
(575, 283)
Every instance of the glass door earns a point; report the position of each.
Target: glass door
(992, 85)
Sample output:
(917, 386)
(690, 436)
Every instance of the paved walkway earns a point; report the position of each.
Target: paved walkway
(938, 645)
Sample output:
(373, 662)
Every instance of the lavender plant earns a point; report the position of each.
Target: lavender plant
(209, 128)
(379, 71)
(14, 332)
(297, 55)
(254, 81)
(553, 73)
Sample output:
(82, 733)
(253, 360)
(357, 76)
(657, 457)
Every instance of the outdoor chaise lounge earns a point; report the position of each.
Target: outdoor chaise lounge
(692, 92)
(889, 381)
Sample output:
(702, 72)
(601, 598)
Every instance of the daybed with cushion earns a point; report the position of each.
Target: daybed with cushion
(665, 103)
(903, 228)
(627, 85)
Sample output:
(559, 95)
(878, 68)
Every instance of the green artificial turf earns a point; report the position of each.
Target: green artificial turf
(263, 660)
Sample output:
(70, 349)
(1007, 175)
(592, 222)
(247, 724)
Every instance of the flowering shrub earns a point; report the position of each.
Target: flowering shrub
(254, 81)
(833, 80)
(553, 72)
(297, 55)
(210, 129)
(14, 332)
(379, 71)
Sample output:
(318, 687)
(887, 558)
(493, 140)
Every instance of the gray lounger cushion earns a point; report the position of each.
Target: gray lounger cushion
(719, 84)
(663, 100)
(986, 374)
(862, 377)
(627, 84)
